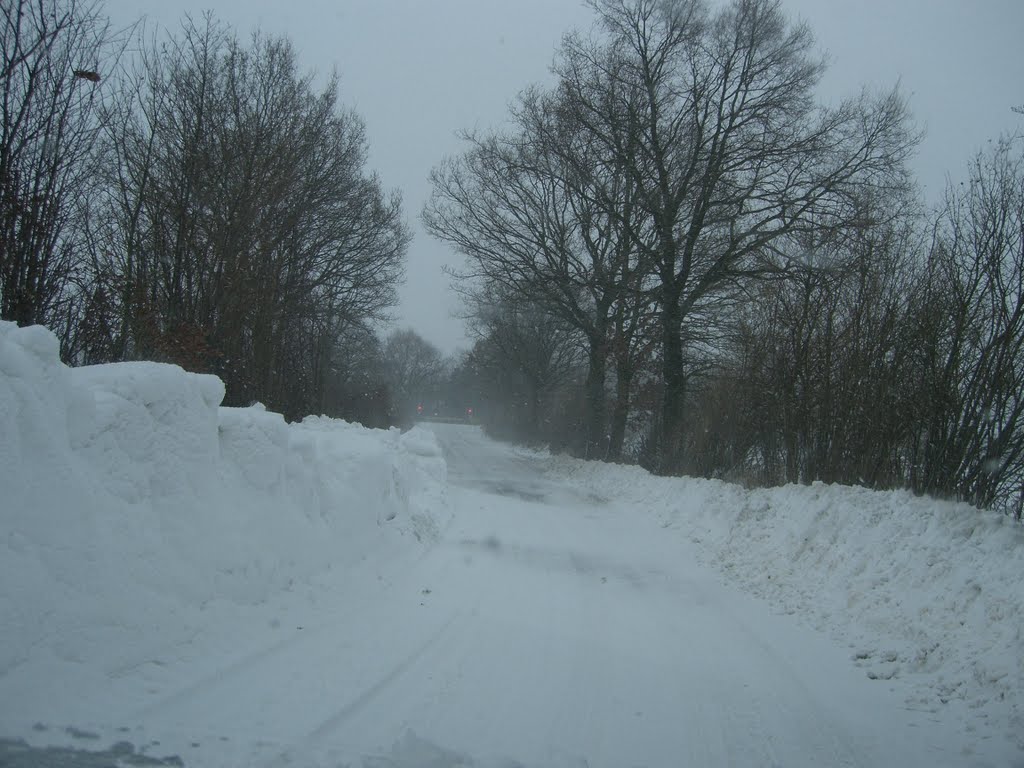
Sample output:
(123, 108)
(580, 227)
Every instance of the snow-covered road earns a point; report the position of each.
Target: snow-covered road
(582, 635)
(547, 627)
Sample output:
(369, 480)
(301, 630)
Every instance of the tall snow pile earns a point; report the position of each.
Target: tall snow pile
(928, 591)
(129, 500)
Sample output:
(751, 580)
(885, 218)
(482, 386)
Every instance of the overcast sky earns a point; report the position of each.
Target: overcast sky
(419, 70)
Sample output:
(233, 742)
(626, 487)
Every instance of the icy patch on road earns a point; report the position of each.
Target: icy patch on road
(16, 753)
(921, 590)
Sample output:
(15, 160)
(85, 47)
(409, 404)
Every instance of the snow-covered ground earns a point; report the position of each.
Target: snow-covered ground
(145, 530)
(927, 592)
(180, 580)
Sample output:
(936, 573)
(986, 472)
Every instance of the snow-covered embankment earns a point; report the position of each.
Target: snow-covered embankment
(924, 591)
(129, 500)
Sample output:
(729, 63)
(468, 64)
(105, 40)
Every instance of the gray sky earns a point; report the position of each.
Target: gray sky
(419, 70)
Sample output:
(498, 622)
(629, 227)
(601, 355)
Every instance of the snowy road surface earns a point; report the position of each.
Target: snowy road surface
(547, 627)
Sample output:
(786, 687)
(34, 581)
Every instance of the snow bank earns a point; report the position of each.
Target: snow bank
(924, 590)
(129, 500)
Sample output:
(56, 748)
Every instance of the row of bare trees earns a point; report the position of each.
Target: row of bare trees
(678, 148)
(745, 278)
(892, 359)
(198, 200)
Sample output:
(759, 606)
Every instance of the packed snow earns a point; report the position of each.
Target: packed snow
(186, 583)
(924, 590)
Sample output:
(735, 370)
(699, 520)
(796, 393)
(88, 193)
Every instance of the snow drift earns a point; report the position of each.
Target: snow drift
(129, 500)
(924, 590)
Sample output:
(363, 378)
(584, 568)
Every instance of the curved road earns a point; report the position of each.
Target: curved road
(549, 627)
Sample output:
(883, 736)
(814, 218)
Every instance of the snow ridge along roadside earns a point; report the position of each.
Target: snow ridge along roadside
(130, 500)
(922, 591)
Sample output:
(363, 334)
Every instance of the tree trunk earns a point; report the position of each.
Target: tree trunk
(596, 446)
(533, 412)
(674, 377)
(620, 413)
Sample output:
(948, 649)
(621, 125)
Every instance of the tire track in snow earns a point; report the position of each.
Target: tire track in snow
(373, 691)
(445, 570)
(221, 676)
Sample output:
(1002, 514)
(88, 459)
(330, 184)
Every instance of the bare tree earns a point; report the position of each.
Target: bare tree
(355, 380)
(970, 339)
(542, 213)
(819, 364)
(51, 52)
(240, 219)
(415, 369)
(734, 153)
(526, 360)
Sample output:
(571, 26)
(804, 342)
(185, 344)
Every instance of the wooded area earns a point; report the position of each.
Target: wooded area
(674, 254)
(206, 205)
(748, 280)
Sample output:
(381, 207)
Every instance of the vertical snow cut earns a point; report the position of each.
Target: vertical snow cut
(129, 500)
